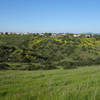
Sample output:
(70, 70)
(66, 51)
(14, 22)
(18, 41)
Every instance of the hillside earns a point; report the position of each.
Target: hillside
(36, 51)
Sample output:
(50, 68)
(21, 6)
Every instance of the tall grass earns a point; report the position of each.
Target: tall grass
(75, 84)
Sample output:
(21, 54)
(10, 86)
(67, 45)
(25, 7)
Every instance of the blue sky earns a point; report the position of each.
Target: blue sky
(50, 16)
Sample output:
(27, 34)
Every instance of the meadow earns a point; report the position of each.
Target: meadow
(82, 83)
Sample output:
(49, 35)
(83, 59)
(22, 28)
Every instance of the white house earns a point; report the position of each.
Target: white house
(76, 35)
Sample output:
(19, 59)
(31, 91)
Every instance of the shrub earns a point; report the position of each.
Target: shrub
(70, 65)
(35, 67)
(28, 66)
(4, 66)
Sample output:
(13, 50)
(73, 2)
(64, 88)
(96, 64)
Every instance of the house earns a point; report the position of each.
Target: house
(76, 35)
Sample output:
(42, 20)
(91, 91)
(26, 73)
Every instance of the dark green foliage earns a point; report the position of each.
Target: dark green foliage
(5, 52)
(49, 52)
(4, 66)
(68, 63)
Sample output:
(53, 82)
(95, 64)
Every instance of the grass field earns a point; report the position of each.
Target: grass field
(76, 84)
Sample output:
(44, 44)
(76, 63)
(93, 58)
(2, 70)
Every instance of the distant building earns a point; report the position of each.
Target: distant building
(54, 34)
(41, 34)
(76, 35)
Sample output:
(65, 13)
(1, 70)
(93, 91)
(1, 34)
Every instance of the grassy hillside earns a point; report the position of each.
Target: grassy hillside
(48, 52)
(76, 84)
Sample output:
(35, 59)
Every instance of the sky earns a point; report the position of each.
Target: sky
(76, 16)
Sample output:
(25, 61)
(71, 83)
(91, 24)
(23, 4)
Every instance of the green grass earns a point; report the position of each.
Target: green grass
(76, 84)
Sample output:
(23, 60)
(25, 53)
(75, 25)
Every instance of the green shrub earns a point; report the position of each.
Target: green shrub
(70, 65)
(27, 66)
(35, 67)
(4, 66)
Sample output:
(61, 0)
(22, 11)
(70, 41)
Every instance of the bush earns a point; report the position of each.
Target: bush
(4, 66)
(21, 66)
(70, 65)
(48, 65)
(27, 66)
(35, 66)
